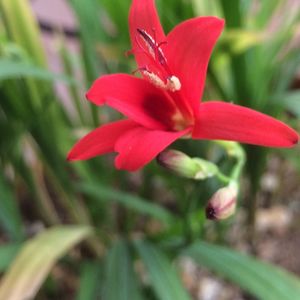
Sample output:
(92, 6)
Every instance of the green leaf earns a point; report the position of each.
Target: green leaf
(35, 260)
(87, 13)
(241, 40)
(10, 69)
(162, 274)
(89, 281)
(266, 12)
(206, 8)
(121, 282)
(7, 254)
(238, 63)
(10, 217)
(23, 28)
(130, 201)
(263, 280)
(289, 101)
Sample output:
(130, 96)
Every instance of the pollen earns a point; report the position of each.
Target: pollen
(173, 84)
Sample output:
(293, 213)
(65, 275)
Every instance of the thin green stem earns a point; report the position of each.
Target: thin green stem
(222, 177)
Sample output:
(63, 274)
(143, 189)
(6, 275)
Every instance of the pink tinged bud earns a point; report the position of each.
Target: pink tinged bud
(185, 166)
(177, 162)
(223, 203)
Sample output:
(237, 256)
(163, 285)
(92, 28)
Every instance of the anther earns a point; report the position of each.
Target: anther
(173, 84)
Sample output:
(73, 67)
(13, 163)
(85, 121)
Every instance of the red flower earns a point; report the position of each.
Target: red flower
(164, 105)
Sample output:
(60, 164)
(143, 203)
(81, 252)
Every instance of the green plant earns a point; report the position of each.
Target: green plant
(127, 220)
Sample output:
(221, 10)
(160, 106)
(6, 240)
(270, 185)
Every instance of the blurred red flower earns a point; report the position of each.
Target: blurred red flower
(164, 105)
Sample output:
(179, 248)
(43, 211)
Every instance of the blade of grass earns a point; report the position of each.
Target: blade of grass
(90, 281)
(233, 16)
(130, 201)
(69, 70)
(35, 260)
(10, 69)
(289, 101)
(260, 279)
(162, 274)
(23, 28)
(87, 15)
(10, 216)
(7, 254)
(121, 282)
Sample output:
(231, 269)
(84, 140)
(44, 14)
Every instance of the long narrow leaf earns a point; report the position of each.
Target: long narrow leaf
(121, 282)
(89, 281)
(263, 280)
(23, 28)
(10, 217)
(289, 101)
(7, 253)
(162, 274)
(130, 201)
(10, 69)
(35, 260)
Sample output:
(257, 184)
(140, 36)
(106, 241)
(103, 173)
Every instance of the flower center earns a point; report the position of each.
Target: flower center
(179, 121)
(160, 74)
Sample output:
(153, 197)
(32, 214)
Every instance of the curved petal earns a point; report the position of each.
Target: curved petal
(134, 97)
(143, 15)
(225, 121)
(188, 49)
(100, 140)
(139, 146)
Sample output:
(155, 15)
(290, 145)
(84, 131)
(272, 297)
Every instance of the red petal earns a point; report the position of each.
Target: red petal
(100, 140)
(143, 15)
(188, 49)
(136, 98)
(139, 146)
(225, 121)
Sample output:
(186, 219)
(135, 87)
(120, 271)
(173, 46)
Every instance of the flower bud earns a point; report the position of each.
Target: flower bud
(178, 162)
(223, 203)
(185, 166)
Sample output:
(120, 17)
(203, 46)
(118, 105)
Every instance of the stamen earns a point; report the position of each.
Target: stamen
(165, 80)
(173, 84)
(153, 78)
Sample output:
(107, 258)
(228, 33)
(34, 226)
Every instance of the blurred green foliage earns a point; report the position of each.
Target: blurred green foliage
(254, 64)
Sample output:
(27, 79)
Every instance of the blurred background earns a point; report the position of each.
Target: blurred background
(143, 235)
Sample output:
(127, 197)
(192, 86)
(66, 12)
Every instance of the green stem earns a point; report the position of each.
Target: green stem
(241, 160)
(233, 149)
(222, 177)
(257, 155)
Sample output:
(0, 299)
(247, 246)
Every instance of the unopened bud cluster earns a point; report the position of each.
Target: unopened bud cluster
(223, 202)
